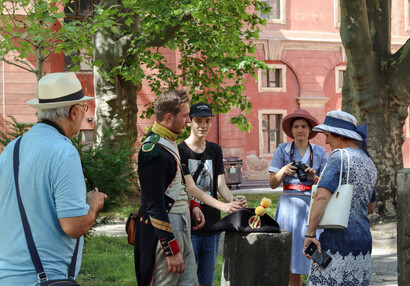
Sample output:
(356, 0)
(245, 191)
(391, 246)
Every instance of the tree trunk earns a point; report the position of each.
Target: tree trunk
(39, 63)
(116, 106)
(116, 97)
(375, 90)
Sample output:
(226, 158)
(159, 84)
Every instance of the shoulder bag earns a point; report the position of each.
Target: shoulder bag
(41, 275)
(337, 210)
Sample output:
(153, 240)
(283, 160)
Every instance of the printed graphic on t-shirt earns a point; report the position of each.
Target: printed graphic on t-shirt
(205, 178)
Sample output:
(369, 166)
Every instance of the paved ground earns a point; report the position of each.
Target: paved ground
(384, 234)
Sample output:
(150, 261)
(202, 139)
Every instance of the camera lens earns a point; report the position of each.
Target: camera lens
(301, 171)
(302, 176)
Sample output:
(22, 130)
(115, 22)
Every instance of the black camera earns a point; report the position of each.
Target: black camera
(301, 167)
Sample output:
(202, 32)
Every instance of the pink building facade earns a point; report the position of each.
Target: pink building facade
(303, 46)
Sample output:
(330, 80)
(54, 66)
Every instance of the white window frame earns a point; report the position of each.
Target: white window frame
(337, 17)
(338, 88)
(262, 112)
(273, 89)
(282, 16)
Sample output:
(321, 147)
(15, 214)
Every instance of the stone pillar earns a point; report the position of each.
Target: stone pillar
(403, 227)
(256, 259)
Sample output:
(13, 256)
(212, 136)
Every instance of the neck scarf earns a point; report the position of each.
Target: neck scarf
(164, 132)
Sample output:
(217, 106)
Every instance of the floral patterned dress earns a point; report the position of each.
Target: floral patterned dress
(349, 248)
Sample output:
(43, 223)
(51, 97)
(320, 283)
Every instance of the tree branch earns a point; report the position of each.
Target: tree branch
(3, 59)
(379, 13)
(169, 31)
(356, 38)
(402, 59)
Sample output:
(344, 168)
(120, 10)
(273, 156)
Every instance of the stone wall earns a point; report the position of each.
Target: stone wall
(256, 259)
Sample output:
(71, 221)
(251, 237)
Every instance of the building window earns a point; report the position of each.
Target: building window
(340, 72)
(277, 13)
(270, 130)
(337, 13)
(272, 80)
(78, 10)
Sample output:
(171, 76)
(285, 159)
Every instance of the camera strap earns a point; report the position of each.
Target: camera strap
(292, 151)
(200, 167)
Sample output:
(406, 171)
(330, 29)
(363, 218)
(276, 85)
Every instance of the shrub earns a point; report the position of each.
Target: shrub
(16, 129)
(111, 169)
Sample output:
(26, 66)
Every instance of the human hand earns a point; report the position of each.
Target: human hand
(242, 200)
(232, 206)
(175, 263)
(310, 173)
(198, 217)
(95, 200)
(306, 243)
(289, 169)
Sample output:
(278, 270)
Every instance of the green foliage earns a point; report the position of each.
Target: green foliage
(16, 129)
(242, 123)
(37, 34)
(213, 38)
(111, 169)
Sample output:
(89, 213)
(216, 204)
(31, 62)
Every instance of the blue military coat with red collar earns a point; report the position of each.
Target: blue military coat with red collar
(157, 168)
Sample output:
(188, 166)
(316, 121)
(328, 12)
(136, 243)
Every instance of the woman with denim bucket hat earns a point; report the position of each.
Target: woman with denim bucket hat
(293, 206)
(349, 248)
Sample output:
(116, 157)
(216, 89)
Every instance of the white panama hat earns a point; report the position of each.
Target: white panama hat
(58, 90)
(343, 124)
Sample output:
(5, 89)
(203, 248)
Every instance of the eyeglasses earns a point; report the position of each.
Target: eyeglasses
(84, 106)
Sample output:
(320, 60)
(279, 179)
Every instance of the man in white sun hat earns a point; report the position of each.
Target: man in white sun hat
(51, 187)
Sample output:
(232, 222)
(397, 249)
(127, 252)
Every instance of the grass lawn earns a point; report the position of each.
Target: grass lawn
(107, 261)
(110, 260)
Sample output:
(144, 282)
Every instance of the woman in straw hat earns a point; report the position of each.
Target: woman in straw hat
(349, 248)
(293, 206)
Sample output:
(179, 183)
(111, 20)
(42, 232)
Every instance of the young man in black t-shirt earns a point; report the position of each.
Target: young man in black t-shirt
(210, 181)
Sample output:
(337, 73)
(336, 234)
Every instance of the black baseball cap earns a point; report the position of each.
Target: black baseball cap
(201, 110)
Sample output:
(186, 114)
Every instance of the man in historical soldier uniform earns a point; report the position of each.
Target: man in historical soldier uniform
(163, 248)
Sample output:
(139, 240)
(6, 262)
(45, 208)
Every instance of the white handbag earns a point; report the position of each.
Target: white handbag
(337, 210)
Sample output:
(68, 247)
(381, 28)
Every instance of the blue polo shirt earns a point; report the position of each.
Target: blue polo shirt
(52, 187)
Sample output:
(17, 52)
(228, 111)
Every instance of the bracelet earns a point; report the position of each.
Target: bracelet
(310, 236)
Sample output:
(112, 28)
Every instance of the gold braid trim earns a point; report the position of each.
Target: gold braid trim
(166, 226)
